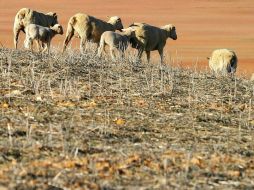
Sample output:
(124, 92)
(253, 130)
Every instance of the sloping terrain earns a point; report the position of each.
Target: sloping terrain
(79, 122)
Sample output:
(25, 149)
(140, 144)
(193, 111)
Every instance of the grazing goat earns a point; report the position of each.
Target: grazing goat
(115, 40)
(26, 16)
(41, 34)
(90, 28)
(223, 61)
(149, 38)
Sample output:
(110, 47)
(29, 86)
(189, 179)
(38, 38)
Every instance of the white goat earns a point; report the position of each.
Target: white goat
(41, 34)
(26, 16)
(116, 41)
(89, 28)
(149, 38)
(223, 61)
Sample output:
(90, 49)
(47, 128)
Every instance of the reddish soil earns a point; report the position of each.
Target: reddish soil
(202, 25)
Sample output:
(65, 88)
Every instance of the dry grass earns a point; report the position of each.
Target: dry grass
(80, 122)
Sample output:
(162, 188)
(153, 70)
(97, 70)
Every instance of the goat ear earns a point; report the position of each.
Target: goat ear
(54, 15)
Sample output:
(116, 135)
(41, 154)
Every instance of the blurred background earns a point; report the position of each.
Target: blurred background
(202, 25)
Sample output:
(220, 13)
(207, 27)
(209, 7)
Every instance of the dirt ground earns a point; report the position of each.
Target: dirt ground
(202, 25)
(80, 122)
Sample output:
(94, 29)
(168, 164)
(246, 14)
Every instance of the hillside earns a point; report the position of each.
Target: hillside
(79, 122)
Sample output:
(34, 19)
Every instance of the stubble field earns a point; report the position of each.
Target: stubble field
(79, 122)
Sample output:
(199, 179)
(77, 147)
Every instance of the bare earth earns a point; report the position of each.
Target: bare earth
(202, 25)
(80, 122)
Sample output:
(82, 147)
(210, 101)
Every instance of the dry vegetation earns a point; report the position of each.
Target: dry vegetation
(80, 122)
